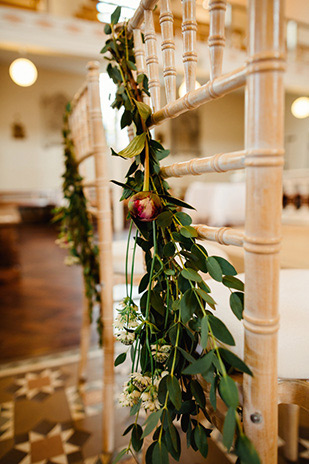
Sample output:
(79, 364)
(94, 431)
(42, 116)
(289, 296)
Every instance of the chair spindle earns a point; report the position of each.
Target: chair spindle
(139, 51)
(152, 60)
(216, 40)
(189, 28)
(168, 50)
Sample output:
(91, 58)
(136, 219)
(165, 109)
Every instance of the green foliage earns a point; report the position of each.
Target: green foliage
(76, 232)
(175, 334)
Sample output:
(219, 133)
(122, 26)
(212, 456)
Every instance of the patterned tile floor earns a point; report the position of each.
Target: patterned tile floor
(46, 419)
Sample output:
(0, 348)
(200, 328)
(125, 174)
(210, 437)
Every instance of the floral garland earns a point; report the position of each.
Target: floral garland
(76, 232)
(174, 335)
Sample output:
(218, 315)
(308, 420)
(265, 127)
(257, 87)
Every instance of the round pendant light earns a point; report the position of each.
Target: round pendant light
(23, 72)
(300, 107)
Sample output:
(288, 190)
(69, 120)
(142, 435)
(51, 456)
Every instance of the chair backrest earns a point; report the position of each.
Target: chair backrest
(88, 136)
(262, 158)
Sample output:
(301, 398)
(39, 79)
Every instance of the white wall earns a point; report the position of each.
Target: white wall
(26, 164)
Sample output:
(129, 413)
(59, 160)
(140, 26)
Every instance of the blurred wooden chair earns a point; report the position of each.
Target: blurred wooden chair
(88, 136)
(262, 159)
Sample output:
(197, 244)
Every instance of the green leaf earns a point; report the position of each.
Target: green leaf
(160, 454)
(131, 65)
(204, 332)
(229, 391)
(191, 274)
(229, 428)
(188, 232)
(116, 15)
(127, 430)
(176, 201)
(107, 29)
(214, 269)
(186, 355)
(200, 366)
(120, 359)
(200, 438)
(246, 451)
(198, 393)
(237, 304)
(183, 218)
(137, 440)
(126, 119)
(188, 305)
(233, 282)
(174, 390)
(220, 330)
(206, 297)
(143, 109)
(164, 219)
(135, 147)
(235, 361)
(119, 456)
(151, 422)
(135, 408)
(169, 249)
(227, 268)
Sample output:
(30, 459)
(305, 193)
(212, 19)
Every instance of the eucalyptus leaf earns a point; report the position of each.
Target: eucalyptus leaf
(188, 232)
(235, 361)
(160, 454)
(191, 274)
(229, 428)
(199, 366)
(246, 451)
(214, 269)
(233, 282)
(229, 391)
(151, 422)
(188, 305)
(220, 330)
(183, 218)
(204, 332)
(200, 438)
(174, 391)
(164, 219)
(120, 455)
(198, 393)
(206, 297)
(120, 359)
(237, 304)
(227, 268)
(116, 15)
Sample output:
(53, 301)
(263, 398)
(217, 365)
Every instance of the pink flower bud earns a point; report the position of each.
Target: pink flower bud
(145, 206)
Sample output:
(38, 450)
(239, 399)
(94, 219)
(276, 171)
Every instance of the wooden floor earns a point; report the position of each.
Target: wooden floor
(41, 312)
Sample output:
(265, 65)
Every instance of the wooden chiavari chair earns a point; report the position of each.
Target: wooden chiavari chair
(262, 159)
(89, 140)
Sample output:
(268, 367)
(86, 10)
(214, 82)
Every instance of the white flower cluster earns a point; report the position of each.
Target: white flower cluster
(160, 352)
(141, 387)
(64, 242)
(126, 322)
(71, 260)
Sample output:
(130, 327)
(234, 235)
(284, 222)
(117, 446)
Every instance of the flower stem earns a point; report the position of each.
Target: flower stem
(127, 258)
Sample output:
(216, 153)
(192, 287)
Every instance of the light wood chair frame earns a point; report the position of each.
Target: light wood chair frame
(262, 159)
(88, 135)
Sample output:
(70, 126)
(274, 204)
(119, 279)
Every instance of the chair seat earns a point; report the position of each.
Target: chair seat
(293, 340)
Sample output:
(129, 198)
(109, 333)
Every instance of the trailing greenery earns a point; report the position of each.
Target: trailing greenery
(76, 232)
(174, 336)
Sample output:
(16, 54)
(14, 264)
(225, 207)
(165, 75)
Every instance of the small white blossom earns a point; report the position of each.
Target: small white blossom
(71, 260)
(127, 338)
(161, 353)
(140, 381)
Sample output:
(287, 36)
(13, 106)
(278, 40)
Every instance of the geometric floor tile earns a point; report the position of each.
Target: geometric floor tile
(304, 449)
(38, 386)
(6, 420)
(86, 400)
(48, 443)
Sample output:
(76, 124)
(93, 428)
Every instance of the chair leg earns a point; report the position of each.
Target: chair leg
(84, 343)
(289, 419)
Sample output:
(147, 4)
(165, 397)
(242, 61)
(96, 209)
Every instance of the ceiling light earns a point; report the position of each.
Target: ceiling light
(182, 89)
(23, 72)
(300, 107)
